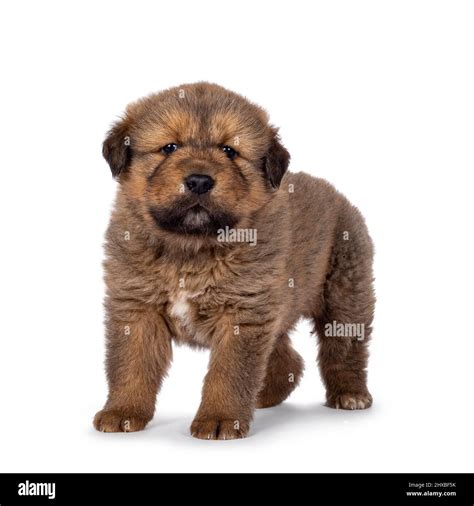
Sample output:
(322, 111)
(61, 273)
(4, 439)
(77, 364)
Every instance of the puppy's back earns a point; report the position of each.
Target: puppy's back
(320, 219)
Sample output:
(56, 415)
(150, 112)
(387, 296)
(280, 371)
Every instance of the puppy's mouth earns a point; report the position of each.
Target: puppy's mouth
(196, 217)
(193, 218)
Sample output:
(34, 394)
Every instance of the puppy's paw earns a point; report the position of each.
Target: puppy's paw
(115, 420)
(218, 428)
(350, 401)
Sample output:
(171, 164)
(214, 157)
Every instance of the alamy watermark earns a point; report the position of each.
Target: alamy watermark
(47, 489)
(237, 235)
(338, 329)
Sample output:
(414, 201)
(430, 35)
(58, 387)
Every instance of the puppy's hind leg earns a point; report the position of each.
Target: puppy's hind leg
(284, 371)
(344, 324)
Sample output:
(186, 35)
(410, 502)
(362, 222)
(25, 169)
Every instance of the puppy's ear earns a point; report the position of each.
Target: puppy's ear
(276, 161)
(116, 148)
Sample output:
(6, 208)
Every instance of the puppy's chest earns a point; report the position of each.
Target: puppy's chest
(190, 316)
(183, 308)
(196, 298)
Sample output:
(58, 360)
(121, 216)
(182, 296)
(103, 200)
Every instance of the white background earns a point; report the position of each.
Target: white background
(377, 97)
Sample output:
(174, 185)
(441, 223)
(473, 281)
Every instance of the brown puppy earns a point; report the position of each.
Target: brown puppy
(211, 243)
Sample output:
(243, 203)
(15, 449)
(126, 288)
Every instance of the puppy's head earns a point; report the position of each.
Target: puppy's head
(195, 159)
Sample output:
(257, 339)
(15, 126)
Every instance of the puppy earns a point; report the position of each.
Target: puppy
(200, 171)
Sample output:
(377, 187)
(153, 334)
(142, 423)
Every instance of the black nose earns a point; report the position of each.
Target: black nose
(199, 183)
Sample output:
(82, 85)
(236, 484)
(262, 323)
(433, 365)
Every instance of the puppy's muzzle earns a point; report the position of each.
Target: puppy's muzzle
(199, 183)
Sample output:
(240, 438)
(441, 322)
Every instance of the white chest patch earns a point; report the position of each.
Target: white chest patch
(181, 310)
(180, 306)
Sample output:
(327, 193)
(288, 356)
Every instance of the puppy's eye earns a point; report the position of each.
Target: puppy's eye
(169, 148)
(230, 152)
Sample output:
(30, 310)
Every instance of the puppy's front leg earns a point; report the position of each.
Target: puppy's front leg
(236, 373)
(138, 356)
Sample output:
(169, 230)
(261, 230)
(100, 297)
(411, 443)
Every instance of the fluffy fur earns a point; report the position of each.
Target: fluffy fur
(169, 278)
